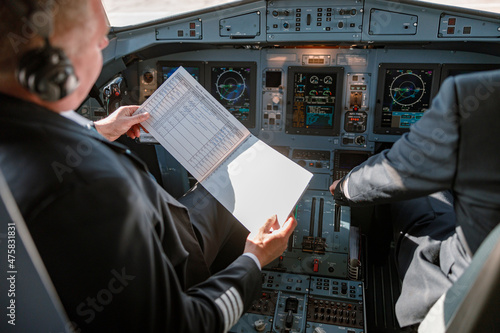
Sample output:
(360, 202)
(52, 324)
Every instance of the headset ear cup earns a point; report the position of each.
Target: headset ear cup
(28, 65)
(48, 73)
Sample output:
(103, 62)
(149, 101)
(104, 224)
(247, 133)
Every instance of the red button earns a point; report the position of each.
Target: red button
(315, 265)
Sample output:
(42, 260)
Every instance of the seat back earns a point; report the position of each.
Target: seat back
(472, 304)
(27, 293)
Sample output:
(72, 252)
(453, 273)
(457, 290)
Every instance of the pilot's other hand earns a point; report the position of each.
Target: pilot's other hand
(271, 240)
(333, 186)
(120, 122)
(338, 192)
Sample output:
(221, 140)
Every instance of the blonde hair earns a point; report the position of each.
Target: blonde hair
(23, 27)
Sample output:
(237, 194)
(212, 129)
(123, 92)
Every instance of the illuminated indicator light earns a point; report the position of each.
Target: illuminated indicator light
(452, 21)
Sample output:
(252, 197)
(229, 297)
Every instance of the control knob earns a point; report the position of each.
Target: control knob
(260, 325)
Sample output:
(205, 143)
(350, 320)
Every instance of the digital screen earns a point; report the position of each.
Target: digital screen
(273, 79)
(349, 161)
(234, 87)
(407, 93)
(167, 71)
(345, 161)
(314, 100)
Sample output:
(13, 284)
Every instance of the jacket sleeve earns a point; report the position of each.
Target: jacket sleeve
(421, 162)
(99, 245)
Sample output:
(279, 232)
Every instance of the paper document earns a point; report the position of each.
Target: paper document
(249, 178)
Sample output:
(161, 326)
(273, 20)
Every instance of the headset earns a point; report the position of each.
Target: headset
(45, 71)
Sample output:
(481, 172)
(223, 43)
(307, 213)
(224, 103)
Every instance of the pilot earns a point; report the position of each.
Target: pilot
(443, 182)
(123, 254)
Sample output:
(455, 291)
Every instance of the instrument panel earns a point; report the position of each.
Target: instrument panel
(360, 99)
(327, 84)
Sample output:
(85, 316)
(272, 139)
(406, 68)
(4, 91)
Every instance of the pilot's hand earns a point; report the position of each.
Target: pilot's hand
(337, 190)
(333, 186)
(268, 244)
(120, 122)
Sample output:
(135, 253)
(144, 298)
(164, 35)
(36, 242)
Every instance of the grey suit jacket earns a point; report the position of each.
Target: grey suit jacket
(453, 146)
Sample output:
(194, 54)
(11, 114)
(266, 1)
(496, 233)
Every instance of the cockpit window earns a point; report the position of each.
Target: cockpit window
(131, 12)
(484, 5)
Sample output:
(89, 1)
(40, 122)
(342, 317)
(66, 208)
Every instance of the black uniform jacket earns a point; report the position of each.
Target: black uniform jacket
(121, 251)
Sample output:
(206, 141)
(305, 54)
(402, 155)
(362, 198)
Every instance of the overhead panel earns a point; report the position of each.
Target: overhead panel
(453, 26)
(314, 20)
(384, 22)
(241, 26)
(180, 31)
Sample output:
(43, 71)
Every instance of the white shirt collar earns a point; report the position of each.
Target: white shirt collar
(72, 115)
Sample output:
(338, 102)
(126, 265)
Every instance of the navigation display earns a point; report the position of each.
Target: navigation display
(167, 68)
(404, 93)
(233, 85)
(313, 105)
